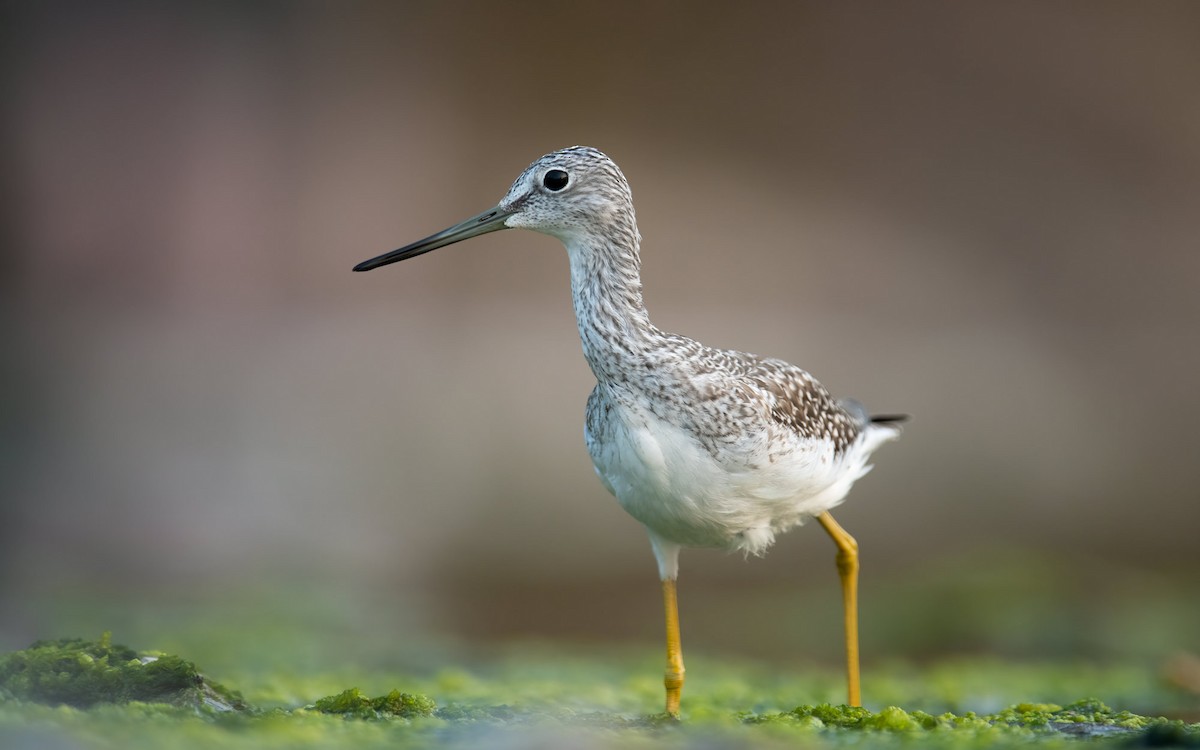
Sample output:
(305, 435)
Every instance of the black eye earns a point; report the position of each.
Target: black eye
(555, 180)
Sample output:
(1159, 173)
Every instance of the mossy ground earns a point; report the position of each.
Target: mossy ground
(96, 694)
(977, 658)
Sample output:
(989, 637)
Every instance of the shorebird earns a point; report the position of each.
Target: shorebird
(705, 447)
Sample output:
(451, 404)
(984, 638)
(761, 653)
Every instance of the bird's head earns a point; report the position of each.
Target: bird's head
(567, 194)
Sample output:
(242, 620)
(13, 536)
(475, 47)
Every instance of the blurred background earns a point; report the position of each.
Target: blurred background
(985, 215)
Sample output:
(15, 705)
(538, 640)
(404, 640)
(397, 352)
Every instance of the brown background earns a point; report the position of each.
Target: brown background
(983, 214)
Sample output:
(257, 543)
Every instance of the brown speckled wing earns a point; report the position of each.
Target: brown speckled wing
(802, 404)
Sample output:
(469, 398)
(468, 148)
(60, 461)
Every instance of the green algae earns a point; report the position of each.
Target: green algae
(547, 695)
(354, 703)
(82, 673)
(1085, 718)
(1087, 711)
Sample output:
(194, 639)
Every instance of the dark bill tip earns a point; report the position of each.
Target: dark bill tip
(491, 220)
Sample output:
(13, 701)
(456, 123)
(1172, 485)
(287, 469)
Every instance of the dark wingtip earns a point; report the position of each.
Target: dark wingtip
(889, 418)
(364, 266)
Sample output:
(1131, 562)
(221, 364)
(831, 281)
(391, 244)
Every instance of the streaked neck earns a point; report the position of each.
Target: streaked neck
(606, 289)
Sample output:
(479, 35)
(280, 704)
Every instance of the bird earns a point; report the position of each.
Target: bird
(706, 448)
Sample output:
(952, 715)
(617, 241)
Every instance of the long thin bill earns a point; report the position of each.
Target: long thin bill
(491, 220)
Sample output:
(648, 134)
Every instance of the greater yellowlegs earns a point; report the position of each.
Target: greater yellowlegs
(705, 447)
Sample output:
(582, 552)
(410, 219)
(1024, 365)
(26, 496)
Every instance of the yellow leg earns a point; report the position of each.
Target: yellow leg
(847, 564)
(674, 674)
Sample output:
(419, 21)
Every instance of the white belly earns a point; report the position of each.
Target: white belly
(665, 478)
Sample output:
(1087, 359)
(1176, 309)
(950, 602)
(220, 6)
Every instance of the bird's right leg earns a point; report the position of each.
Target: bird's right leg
(847, 565)
(673, 679)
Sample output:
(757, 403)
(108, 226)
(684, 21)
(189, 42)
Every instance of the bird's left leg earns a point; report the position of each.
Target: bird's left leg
(673, 677)
(847, 564)
(667, 555)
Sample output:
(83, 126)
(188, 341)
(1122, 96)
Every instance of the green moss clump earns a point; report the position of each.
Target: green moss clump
(894, 719)
(890, 719)
(847, 717)
(81, 673)
(350, 701)
(407, 705)
(1087, 718)
(945, 721)
(354, 703)
(1086, 711)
